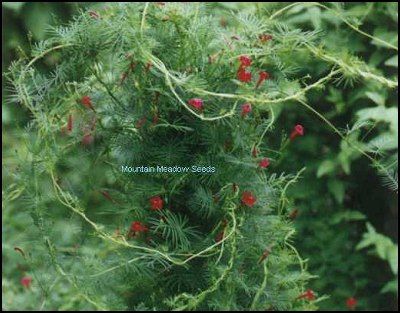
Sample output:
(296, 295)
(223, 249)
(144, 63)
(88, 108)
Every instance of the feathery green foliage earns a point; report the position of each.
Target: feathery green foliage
(140, 64)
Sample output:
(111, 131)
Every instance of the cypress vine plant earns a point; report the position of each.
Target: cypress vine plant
(163, 85)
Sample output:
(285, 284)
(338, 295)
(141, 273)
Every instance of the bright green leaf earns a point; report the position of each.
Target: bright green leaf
(326, 167)
(393, 61)
(378, 98)
(337, 189)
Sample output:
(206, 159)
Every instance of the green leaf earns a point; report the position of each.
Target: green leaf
(335, 96)
(326, 167)
(391, 286)
(347, 216)
(378, 98)
(385, 35)
(337, 189)
(393, 258)
(368, 238)
(384, 247)
(393, 61)
(380, 114)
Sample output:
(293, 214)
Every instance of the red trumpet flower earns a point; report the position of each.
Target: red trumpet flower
(87, 102)
(351, 303)
(265, 254)
(156, 203)
(94, 15)
(264, 163)
(298, 130)
(308, 294)
(254, 152)
(248, 199)
(244, 76)
(245, 61)
(87, 139)
(196, 103)
(26, 281)
(262, 76)
(219, 236)
(69, 124)
(265, 37)
(246, 109)
(138, 227)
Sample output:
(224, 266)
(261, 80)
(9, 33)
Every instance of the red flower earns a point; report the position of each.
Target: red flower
(298, 130)
(309, 295)
(20, 251)
(244, 76)
(265, 37)
(245, 61)
(106, 195)
(264, 255)
(26, 281)
(262, 76)
(293, 214)
(219, 236)
(69, 124)
(248, 199)
(87, 102)
(246, 109)
(87, 139)
(156, 203)
(264, 163)
(138, 227)
(131, 68)
(351, 303)
(94, 14)
(196, 103)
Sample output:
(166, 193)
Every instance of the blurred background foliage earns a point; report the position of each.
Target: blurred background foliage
(340, 191)
(24, 24)
(347, 212)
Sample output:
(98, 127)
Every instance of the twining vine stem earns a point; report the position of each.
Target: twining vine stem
(337, 14)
